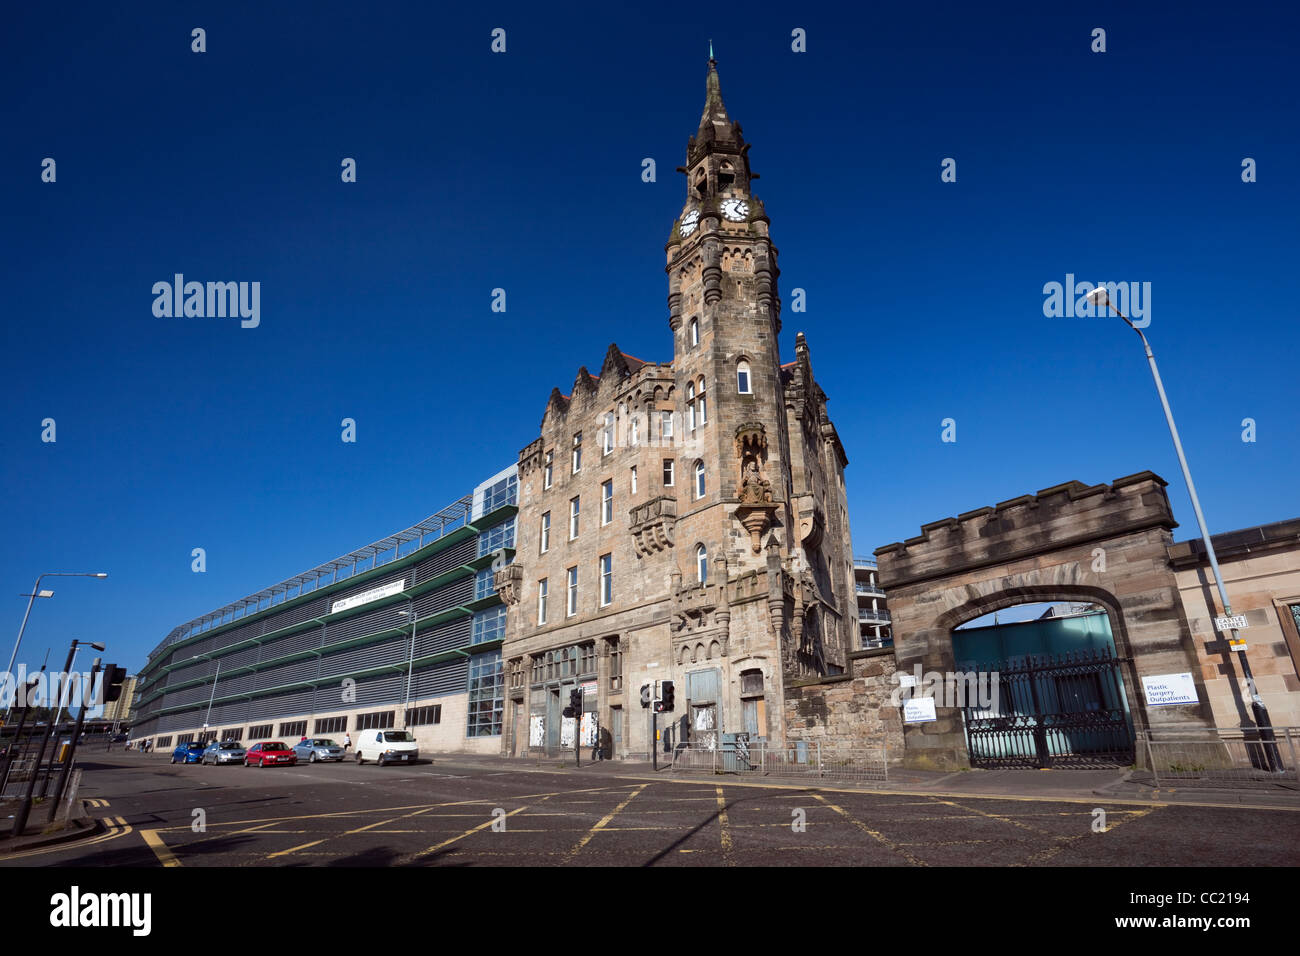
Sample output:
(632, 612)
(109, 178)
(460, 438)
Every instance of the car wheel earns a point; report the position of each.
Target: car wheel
(312, 758)
(380, 761)
(173, 758)
(360, 759)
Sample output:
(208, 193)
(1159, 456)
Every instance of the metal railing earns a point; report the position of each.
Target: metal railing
(801, 759)
(1241, 757)
(867, 615)
(861, 562)
(871, 589)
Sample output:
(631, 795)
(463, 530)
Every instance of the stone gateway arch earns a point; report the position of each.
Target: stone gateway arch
(1101, 544)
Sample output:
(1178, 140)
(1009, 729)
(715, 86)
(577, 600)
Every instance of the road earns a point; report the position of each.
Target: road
(444, 813)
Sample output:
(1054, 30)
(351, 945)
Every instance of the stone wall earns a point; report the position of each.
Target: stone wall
(850, 711)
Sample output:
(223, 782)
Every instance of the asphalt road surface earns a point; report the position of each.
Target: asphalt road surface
(441, 813)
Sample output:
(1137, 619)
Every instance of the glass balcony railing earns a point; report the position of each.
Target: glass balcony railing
(868, 615)
(871, 590)
(864, 562)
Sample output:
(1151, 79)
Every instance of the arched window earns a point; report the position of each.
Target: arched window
(699, 479)
(695, 332)
(690, 404)
(701, 564)
(704, 414)
(742, 378)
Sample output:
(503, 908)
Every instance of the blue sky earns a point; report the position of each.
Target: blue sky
(522, 171)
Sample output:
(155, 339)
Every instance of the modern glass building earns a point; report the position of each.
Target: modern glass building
(403, 633)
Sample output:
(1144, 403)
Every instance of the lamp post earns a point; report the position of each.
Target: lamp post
(67, 678)
(215, 677)
(410, 660)
(1099, 297)
(31, 599)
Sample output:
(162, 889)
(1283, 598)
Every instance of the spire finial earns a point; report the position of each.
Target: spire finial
(710, 48)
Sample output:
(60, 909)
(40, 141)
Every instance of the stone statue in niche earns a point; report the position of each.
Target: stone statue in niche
(753, 487)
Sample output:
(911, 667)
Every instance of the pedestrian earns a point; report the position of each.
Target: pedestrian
(347, 742)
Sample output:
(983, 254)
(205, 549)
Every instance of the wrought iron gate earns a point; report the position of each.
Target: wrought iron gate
(1062, 710)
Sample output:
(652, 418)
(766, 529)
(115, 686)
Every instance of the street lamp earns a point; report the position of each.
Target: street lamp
(410, 661)
(31, 599)
(215, 677)
(1099, 297)
(67, 678)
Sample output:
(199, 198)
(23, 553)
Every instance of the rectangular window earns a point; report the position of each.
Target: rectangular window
(484, 585)
(331, 725)
(615, 665)
(607, 502)
(234, 733)
(634, 479)
(422, 716)
(504, 492)
(543, 588)
(572, 607)
(494, 539)
(666, 424)
(546, 533)
(587, 662)
(293, 728)
(486, 695)
(577, 452)
(208, 736)
(634, 432)
(378, 720)
(489, 625)
(261, 731)
(549, 469)
(184, 739)
(606, 579)
(164, 742)
(574, 508)
(668, 472)
(607, 434)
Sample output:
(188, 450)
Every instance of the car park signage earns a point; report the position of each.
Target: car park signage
(365, 597)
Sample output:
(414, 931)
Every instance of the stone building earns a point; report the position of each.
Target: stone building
(684, 520)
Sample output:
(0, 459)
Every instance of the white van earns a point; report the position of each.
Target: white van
(386, 746)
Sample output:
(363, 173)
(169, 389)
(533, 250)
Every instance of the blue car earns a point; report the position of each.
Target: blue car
(188, 753)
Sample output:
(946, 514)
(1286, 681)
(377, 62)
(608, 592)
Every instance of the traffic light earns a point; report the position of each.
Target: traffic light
(645, 695)
(575, 704)
(666, 697)
(113, 679)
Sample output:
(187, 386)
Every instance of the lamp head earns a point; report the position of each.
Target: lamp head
(1098, 297)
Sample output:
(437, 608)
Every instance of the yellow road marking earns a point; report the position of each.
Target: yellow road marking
(1044, 855)
(605, 820)
(870, 832)
(469, 832)
(995, 816)
(722, 820)
(165, 856)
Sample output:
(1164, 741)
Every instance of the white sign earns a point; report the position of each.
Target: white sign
(536, 730)
(918, 709)
(906, 680)
(1165, 689)
(589, 689)
(365, 597)
(567, 726)
(1237, 621)
(588, 730)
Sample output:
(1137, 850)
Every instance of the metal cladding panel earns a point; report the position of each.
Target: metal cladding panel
(393, 651)
(444, 561)
(292, 644)
(457, 593)
(250, 655)
(229, 713)
(455, 634)
(287, 673)
(383, 690)
(448, 678)
(243, 684)
(281, 705)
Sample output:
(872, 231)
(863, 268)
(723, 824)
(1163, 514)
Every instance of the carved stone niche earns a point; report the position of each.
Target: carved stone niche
(652, 523)
(757, 509)
(508, 583)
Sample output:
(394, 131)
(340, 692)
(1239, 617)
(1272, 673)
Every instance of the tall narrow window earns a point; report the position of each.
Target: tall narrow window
(690, 405)
(668, 472)
(634, 431)
(542, 589)
(634, 479)
(607, 434)
(666, 424)
(572, 607)
(607, 502)
(695, 332)
(704, 412)
(606, 579)
(742, 379)
(699, 479)
(702, 564)
(574, 505)
(577, 452)
(550, 468)
(546, 533)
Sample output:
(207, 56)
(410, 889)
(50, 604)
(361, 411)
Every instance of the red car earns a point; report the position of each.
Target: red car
(270, 752)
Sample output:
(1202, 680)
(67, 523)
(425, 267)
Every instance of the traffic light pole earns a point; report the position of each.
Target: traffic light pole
(76, 736)
(654, 738)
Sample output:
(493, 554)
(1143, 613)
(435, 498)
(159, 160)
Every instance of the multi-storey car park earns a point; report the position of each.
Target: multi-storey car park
(404, 633)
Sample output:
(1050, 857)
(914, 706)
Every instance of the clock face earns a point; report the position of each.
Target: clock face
(689, 222)
(736, 210)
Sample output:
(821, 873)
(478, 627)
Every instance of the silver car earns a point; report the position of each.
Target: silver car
(224, 751)
(317, 748)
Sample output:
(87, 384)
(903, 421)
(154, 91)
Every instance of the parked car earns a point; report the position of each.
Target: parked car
(386, 746)
(269, 752)
(317, 748)
(224, 751)
(191, 752)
